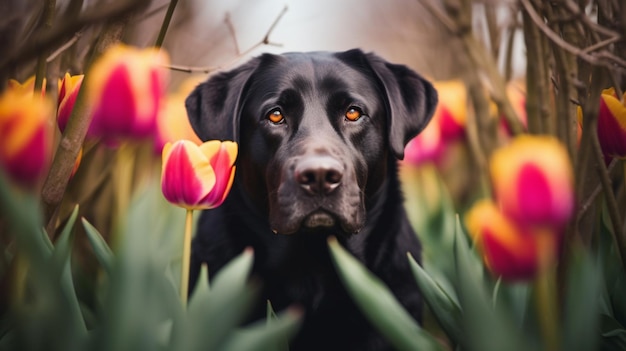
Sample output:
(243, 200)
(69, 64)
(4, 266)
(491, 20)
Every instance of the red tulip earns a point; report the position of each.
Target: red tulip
(198, 177)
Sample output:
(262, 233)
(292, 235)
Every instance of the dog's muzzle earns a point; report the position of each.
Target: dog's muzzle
(318, 192)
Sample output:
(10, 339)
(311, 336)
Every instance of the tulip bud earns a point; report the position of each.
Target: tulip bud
(533, 181)
(125, 88)
(69, 87)
(25, 136)
(612, 124)
(198, 177)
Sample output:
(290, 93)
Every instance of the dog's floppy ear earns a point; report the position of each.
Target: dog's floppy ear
(410, 99)
(213, 106)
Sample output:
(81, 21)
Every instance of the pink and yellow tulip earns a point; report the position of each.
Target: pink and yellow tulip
(533, 186)
(25, 136)
(198, 177)
(533, 181)
(125, 88)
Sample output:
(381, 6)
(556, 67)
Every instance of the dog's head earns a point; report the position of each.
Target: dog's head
(315, 131)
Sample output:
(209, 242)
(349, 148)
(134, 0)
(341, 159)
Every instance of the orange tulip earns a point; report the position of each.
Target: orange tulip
(533, 181)
(25, 136)
(511, 251)
(125, 87)
(198, 177)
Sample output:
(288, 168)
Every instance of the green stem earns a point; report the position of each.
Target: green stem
(546, 305)
(166, 23)
(184, 273)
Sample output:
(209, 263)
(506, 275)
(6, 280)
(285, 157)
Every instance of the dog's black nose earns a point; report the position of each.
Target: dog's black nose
(319, 175)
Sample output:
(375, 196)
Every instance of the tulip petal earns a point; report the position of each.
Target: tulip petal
(187, 175)
(222, 157)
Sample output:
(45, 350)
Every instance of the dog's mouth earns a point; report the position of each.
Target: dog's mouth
(319, 218)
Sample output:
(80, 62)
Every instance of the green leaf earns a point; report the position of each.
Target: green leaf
(613, 334)
(214, 313)
(580, 323)
(270, 315)
(445, 310)
(485, 328)
(266, 336)
(378, 303)
(63, 245)
(101, 249)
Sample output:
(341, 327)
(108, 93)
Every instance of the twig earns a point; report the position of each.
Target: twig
(72, 139)
(611, 201)
(44, 40)
(594, 194)
(555, 38)
(166, 23)
(48, 19)
(209, 69)
(64, 47)
(233, 34)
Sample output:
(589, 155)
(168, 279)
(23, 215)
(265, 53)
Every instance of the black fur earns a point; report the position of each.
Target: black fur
(313, 175)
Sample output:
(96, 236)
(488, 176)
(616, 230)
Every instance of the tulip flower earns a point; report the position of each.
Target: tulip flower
(510, 250)
(125, 88)
(68, 87)
(612, 124)
(533, 181)
(25, 136)
(196, 177)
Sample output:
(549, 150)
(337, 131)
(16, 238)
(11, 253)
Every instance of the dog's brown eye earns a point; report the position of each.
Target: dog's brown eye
(275, 116)
(353, 114)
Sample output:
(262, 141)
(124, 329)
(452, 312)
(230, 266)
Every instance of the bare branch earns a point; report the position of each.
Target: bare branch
(264, 41)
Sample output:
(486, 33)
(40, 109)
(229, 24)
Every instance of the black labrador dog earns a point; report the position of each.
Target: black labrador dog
(320, 135)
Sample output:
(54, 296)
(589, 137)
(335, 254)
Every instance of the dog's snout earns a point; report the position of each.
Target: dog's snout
(319, 175)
